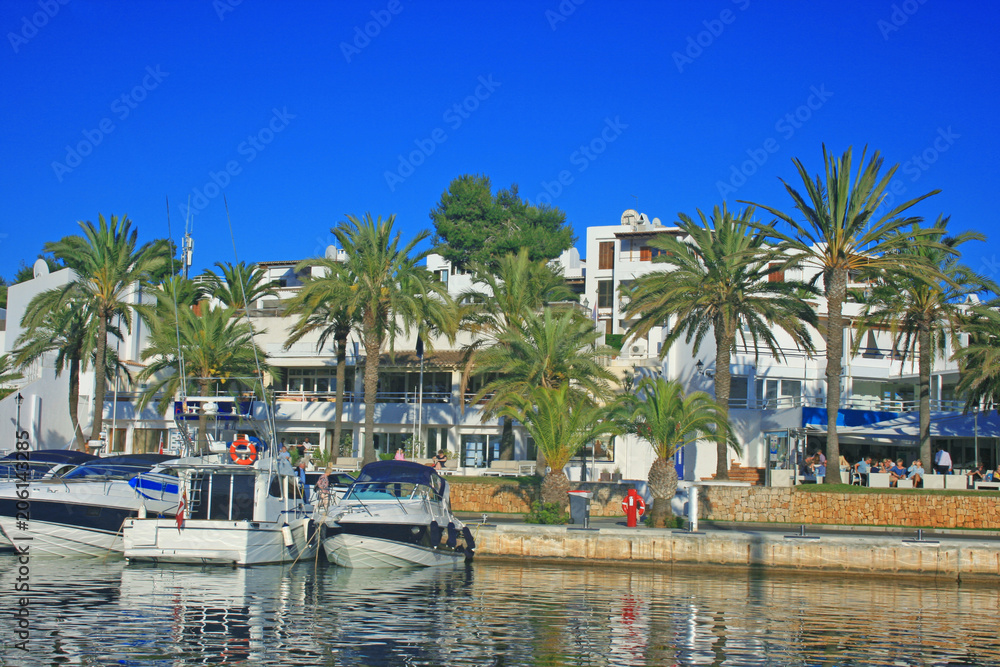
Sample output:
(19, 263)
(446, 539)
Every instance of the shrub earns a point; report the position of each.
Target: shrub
(547, 513)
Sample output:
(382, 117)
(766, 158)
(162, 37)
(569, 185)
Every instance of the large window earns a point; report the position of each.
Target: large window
(738, 391)
(606, 255)
(777, 393)
(317, 380)
(405, 387)
(605, 293)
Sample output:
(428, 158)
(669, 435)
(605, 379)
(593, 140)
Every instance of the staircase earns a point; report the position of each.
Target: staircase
(738, 473)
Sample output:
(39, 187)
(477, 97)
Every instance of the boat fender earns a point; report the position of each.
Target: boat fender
(286, 535)
(434, 534)
(452, 536)
(142, 511)
(470, 543)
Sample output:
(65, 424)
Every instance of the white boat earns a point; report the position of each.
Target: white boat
(82, 512)
(233, 515)
(397, 514)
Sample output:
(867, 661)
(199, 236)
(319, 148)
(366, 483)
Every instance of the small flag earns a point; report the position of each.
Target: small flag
(161, 442)
(595, 313)
(180, 510)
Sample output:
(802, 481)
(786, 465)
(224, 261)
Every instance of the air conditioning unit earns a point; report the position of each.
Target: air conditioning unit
(638, 348)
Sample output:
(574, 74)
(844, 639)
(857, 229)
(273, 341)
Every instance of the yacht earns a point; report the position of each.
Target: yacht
(82, 511)
(397, 514)
(237, 515)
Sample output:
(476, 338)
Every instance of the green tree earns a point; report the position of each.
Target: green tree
(111, 271)
(391, 294)
(474, 226)
(319, 305)
(562, 422)
(669, 420)
(500, 299)
(8, 373)
(979, 361)
(843, 235)
(718, 279)
(238, 280)
(920, 315)
(217, 348)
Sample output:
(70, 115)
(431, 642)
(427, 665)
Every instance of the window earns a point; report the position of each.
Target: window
(738, 391)
(606, 255)
(776, 275)
(605, 293)
(645, 254)
(443, 276)
(778, 393)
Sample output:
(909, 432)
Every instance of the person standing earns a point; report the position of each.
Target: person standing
(300, 472)
(942, 462)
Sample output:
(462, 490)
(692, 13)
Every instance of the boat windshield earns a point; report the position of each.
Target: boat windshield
(115, 467)
(390, 491)
(401, 472)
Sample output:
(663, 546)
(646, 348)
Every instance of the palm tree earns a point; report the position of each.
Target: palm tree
(111, 270)
(562, 422)
(239, 284)
(217, 348)
(719, 278)
(499, 300)
(392, 293)
(319, 306)
(979, 361)
(669, 420)
(547, 349)
(844, 236)
(921, 314)
(7, 374)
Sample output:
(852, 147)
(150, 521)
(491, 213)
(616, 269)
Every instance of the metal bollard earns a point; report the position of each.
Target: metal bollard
(693, 508)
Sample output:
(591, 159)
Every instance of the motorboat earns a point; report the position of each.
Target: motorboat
(37, 464)
(397, 514)
(82, 511)
(230, 514)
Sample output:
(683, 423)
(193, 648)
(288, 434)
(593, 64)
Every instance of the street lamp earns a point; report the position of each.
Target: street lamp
(700, 367)
(18, 400)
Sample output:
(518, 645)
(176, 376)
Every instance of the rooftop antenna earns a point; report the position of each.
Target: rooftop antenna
(636, 202)
(187, 245)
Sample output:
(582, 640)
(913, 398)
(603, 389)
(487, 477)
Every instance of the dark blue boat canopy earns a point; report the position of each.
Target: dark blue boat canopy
(403, 472)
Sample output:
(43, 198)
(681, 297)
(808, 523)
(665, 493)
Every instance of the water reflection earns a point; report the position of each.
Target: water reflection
(88, 612)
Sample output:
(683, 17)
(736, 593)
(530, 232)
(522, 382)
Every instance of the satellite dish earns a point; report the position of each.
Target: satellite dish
(656, 221)
(331, 252)
(630, 216)
(40, 268)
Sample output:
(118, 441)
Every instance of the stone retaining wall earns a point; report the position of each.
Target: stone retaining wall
(786, 505)
(510, 497)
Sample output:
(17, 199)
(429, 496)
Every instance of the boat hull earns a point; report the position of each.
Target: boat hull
(58, 539)
(240, 543)
(364, 551)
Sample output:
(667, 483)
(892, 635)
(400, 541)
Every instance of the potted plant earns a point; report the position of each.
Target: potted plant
(616, 476)
(605, 476)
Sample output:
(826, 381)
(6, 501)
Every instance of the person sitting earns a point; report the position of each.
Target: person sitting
(400, 454)
(863, 468)
(807, 469)
(977, 475)
(896, 473)
(916, 473)
(439, 460)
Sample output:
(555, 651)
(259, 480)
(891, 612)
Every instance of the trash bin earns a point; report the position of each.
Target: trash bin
(579, 507)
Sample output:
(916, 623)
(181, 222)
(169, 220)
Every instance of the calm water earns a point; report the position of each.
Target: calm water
(87, 612)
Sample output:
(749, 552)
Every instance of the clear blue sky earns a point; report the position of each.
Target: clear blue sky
(643, 104)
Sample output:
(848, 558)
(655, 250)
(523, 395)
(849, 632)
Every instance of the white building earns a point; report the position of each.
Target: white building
(772, 401)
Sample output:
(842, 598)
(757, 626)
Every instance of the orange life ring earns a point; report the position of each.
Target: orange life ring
(243, 452)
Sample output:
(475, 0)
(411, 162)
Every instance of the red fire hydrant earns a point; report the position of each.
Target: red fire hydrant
(634, 507)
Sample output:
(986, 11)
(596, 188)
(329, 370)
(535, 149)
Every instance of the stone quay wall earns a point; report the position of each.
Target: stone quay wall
(979, 509)
(499, 496)
(830, 554)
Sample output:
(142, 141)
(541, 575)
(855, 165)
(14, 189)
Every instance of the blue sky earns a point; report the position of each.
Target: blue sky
(299, 117)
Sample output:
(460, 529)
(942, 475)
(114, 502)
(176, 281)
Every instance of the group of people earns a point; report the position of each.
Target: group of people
(896, 470)
(438, 462)
(980, 474)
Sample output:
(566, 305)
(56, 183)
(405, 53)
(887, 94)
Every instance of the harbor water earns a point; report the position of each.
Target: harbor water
(89, 612)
